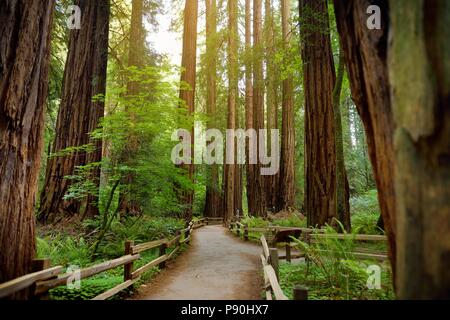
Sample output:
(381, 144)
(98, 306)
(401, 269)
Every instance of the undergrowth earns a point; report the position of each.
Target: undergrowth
(67, 250)
(331, 272)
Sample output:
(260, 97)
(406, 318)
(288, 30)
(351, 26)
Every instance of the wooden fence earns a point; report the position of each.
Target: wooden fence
(40, 282)
(309, 236)
(272, 288)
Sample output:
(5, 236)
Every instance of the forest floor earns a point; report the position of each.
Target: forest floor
(217, 266)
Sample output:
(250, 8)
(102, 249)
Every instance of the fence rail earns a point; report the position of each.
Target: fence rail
(309, 236)
(42, 281)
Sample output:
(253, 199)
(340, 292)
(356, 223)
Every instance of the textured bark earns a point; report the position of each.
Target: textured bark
(319, 79)
(286, 198)
(230, 168)
(250, 169)
(84, 78)
(136, 50)
(258, 196)
(365, 54)
(98, 106)
(24, 56)
(342, 186)
(419, 72)
(272, 76)
(129, 205)
(213, 197)
(189, 65)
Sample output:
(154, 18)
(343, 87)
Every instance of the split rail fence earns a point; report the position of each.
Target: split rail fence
(44, 277)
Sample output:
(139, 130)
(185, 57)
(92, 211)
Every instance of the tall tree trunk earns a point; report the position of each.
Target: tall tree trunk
(259, 198)
(98, 106)
(365, 54)
(213, 198)
(84, 78)
(129, 205)
(230, 167)
(189, 65)
(319, 80)
(286, 198)
(272, 185)
(250, 168)
(342, 186)
(419, 72)
(24, 60)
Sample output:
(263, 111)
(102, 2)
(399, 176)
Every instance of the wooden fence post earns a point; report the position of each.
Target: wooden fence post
(207, 221)
(238, 230)
(128, 268)
(178, 234)
(39, 265)
(162, 251)
(288, 252)
(300, 293)
(274, 238)
(246, 232)
(188, 233)
(274, 261)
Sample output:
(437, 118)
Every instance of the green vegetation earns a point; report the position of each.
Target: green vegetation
(365, 213)
(63, 248)
(332, 272)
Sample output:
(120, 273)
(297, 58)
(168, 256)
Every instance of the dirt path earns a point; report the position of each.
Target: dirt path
(217, 266)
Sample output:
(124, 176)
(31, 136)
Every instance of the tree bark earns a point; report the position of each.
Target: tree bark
(250, 168)
(188, 75)
(230, 168)
(319, 80)
(128, 204)
(342, 186)
(272, 74)
(365, 54)
(213, 197)
(259, 197)
(79, 115)
(24, 60)
(286, 198)
(419, 73)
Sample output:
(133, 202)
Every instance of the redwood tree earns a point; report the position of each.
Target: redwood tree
(188, 75)
(319, 79)
(419, 72)
(272, 86)
(342, 186)
(258, 196)
(250, 168)
(229, 196)
(136, 53)
(24, 60)
(365, 53)
(286, 197)
(79, 114)
(213, 197)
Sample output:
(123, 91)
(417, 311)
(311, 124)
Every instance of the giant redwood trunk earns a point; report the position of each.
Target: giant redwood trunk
(419, 72)
(272, 74)
(250, 168)
(258, 196)
(319, 79)
(128, 204)
(187, 95)
(79, 113)
(365, 54)
(24, 56)
(213, 197)
(230, 165)
(342, 186)
(286, 199)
